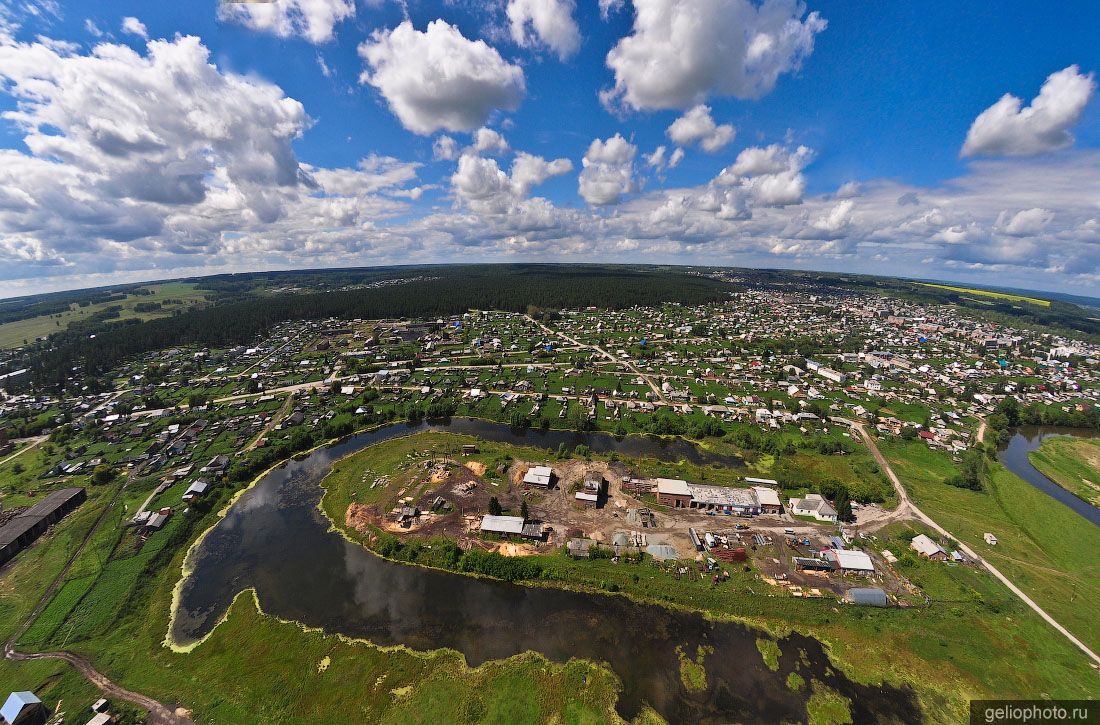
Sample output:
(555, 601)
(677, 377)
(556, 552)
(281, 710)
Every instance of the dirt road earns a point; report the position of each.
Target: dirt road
(625, 363)
(34, 443)
(283, 412)
(159, 713)
(907, 508)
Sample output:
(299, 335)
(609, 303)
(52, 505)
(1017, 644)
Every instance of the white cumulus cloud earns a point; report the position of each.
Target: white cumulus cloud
(1025, 223)
(697, 126)
(608, 171)
(482, 185)
(1008, 129)
(772, 174)
(679, 53)
(117, 141)
(544, 23)
(313, 20)
(445, 148)
(529, 171)
(488, 141)
(439, 79)
(133, 26)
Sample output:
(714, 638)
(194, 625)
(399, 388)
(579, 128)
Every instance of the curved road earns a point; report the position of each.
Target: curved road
(159, 713)
(907, 506)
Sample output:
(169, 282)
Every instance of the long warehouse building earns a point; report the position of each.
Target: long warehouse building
(21, 532)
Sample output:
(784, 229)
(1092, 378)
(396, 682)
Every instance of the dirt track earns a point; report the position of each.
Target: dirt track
(908, 508)
(159, 713)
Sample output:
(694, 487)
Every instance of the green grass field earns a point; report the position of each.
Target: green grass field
(987, 293)
(971, 637)
(1043, 547)
(254, 668)
(15, 334)
(55, 682)
(1072, 463)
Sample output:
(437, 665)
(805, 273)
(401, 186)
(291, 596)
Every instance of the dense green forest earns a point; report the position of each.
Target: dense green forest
(247, 305)
(98, 346)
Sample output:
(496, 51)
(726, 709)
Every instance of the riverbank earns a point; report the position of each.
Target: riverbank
(870, 646)
(274, 669)
(1072, 463)
(276, 540)
(1045, 548)
(985, 623)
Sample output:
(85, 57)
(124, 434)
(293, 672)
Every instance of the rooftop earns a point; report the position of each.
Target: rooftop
(673, 487)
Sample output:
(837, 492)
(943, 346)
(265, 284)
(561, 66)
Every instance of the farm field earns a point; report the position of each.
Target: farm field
(1072, 463)
(183, 295)
(988, 293)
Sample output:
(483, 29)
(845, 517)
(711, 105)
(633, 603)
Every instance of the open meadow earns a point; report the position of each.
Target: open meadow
(1043, 547)
(171, 296)
(1072, 463)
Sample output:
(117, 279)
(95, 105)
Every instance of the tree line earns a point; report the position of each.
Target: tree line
(98, 347)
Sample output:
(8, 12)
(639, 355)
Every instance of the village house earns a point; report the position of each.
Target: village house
(196, 490)
(813, 505)
(23, 708)
(927, 548)
(541, 476)
(593, 490)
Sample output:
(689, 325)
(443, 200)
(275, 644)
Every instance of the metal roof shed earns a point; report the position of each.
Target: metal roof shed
(848, 560)
(867, 597)
(502, 524)
(17, 703)
(539, 476)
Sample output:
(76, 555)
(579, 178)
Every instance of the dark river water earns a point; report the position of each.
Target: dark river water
(277, 541)
(1024, 441)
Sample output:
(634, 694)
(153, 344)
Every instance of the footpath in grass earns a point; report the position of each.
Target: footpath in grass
(1072, 463)
(254, 668)
(1043, 547)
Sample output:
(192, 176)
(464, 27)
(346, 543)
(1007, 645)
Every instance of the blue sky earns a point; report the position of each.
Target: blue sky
(830, 135)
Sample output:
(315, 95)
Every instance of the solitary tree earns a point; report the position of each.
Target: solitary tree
(102, 474)
(843, 506)
(494, 507)
(523, 511)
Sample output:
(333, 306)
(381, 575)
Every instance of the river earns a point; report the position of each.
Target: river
(276, 540)
(1014, 456)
